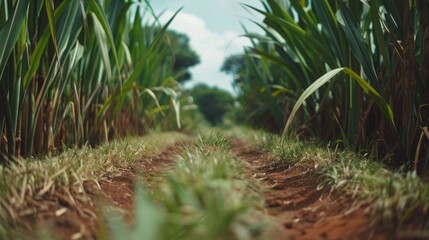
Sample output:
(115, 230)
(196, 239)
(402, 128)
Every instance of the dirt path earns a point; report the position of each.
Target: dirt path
(116, 190)
(301, 207)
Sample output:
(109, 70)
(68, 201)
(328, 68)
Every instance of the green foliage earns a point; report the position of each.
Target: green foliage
(191, 117)
(78, 72)
(380, 42)
(236, 66)
(382, 104)
(184, 56)
(213, 103)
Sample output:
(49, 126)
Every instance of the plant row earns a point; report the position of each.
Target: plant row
(350, 71)
(82, 72)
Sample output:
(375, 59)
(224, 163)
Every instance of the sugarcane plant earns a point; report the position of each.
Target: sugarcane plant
(80, 72)
(376, 51)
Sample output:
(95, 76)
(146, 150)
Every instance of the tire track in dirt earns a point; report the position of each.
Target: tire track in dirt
(116, 190)
(119, 189)
(301, 205)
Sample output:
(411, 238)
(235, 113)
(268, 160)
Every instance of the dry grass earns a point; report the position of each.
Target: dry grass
(400, 199)
(49, 186)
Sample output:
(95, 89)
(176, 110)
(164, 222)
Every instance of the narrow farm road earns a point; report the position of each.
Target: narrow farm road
(298, 201)
(301, 205)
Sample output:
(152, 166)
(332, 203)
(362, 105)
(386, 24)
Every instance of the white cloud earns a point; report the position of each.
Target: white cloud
(212, 47)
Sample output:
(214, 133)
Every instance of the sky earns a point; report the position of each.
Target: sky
(214, 29)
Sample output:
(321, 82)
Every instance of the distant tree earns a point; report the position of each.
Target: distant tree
(213, 102)
(235, 65)
(184, 56)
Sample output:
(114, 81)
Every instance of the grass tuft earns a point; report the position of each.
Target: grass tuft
(397, 198)
(34, 187)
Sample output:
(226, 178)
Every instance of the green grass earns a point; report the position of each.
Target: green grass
(38, 179)
(205, 196)
(397, 198)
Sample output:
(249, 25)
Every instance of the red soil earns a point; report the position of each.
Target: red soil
(301, 207)
(119, 190)
(297, 201)
(79, 221)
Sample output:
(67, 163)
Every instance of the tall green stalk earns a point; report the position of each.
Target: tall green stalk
(77, 72)
(383, 42)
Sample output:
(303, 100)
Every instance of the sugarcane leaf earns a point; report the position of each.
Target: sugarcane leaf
(174, 101)
(153, 46)
(51, 20)
(104, 49)
(9, 33)
(41, 46)
(358, 45)
(378, 32)
(99, 12)
(366, 87)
